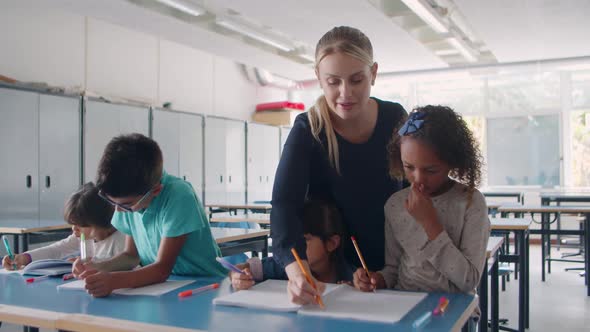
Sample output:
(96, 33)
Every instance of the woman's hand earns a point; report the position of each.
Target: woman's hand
(368, 283)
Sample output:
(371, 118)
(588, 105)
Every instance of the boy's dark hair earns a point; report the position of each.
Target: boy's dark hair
(131, 165)
(85, 208)
(322, 219)
(447, 133)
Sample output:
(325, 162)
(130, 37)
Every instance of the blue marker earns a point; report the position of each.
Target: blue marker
(422, 320)
(229, 265)
(7, 246)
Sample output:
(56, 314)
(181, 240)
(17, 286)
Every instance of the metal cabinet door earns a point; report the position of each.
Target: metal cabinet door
(191, 151)
(134, 119)
(255, 161)
(215, 169)
(59, 154)
(103, 122)
(235, 166)
(165, 131)
(284, 134)
(271, 159)
(19, 163)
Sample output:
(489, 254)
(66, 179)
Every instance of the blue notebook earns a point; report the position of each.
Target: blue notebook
(48, 267)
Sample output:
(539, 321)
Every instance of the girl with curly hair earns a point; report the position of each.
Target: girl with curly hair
(436, 231)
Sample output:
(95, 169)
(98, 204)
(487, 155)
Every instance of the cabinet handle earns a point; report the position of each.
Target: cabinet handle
(267, 179)
(184, 177)
(221, 179)
(230, 179)
(29, 181)
(261, 179)
(47, 181)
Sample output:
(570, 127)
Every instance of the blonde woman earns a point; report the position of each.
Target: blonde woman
(337, 150)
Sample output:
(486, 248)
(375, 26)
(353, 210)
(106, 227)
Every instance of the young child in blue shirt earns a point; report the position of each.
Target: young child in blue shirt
(166, 227)
(324, 233)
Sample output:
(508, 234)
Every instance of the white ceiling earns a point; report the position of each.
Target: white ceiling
(524, 30)
(514, 30)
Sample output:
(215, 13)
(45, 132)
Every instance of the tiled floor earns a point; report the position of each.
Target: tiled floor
(558, 304)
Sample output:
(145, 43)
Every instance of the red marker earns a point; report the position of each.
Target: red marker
(31, 280)
(190, 292)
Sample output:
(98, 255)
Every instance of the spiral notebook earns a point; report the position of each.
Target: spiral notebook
(341, 302)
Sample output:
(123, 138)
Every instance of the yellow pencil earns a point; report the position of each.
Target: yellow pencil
(358, 252)
(307, 276)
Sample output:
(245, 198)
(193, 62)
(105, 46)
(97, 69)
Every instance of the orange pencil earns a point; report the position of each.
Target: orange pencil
(318, 298)
(358, 252)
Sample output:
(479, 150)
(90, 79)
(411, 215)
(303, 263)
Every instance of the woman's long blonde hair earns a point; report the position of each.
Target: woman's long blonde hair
(345, 40)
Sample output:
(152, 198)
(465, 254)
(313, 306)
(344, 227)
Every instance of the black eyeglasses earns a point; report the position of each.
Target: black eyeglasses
(125, 207)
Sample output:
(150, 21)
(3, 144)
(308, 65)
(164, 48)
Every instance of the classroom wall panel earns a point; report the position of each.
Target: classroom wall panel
(235, 96)
(121, 62)
(42, 45)
(186, 77)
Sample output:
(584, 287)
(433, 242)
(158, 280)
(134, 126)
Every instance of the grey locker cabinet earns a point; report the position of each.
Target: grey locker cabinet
(40, 149)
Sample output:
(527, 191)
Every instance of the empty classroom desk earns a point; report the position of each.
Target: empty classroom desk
(23, 229)
(520, 228)
(494, 244)
(546, 231)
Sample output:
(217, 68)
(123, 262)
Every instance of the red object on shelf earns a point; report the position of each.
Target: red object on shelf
(278, 105)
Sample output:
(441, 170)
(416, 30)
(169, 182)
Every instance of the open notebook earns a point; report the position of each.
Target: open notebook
(51, 267)
(342, 302)
(151, 290)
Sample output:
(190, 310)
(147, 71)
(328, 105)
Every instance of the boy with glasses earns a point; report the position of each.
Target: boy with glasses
(166, 227)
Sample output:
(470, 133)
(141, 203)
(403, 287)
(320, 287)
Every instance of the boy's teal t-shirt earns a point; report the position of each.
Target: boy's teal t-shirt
(174, 212)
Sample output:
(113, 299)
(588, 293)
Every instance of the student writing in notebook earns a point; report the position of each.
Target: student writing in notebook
(436, 231)
(167, 231)
(324, 233)
(88, 214)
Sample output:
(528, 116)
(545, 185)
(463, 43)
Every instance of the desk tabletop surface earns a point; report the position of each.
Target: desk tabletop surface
(31, 226)
(261, 218)
(510, 223)
(544, 208)
(494, 243)
(226, 234)
(240, 206)
(198, 312)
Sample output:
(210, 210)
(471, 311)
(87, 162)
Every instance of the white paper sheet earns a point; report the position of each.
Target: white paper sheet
(384, 306)
(268, 295)
(151, 290)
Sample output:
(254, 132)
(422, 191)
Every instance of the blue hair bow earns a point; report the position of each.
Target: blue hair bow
(413, 123)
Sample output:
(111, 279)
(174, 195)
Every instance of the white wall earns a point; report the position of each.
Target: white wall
(69, 50)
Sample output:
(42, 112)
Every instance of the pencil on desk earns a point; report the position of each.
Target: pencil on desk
(358, 252)
(308, 277)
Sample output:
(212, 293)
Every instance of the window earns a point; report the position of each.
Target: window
(523, 150)
(580, 129)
